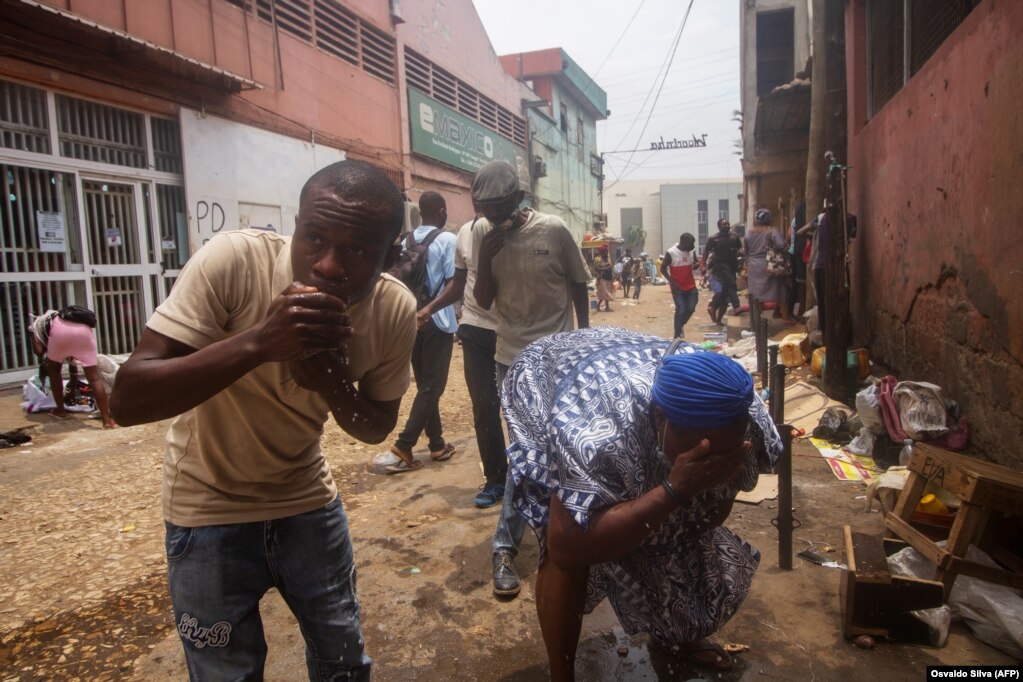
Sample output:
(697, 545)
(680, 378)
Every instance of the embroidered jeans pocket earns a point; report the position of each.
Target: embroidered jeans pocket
(351, 586)
(178, 541)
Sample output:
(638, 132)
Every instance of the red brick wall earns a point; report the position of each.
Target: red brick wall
(937, 274)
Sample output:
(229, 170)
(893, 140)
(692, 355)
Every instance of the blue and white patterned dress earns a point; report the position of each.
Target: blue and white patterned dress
(579, 417)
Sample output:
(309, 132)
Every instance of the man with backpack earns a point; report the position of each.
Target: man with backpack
(427, 267)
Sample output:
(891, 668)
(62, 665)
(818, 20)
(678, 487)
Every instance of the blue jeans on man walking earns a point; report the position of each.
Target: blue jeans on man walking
(217, 575)
(685, 306)
(510, 525)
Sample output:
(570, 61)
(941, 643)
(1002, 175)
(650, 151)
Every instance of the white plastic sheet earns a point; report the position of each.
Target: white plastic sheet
(993, 612)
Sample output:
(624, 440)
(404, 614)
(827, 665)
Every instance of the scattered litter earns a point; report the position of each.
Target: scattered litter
(845, 466)
(766, 489)
(8, 439)
(127, 529)
(414, 570)
(735, 648)
(819, 559)
(864, 642)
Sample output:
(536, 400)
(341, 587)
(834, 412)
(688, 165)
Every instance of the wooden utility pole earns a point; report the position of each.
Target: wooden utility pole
(838, 325)
(837, 329)
(818, 113)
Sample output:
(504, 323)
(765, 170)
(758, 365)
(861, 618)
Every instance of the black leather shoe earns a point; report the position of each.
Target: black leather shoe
(506, 578)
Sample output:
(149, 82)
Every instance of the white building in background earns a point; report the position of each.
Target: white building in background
(667, 208)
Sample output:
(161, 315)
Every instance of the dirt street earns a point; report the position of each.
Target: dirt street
(83, 594)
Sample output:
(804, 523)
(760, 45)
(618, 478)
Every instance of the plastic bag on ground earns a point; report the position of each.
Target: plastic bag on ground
(811, 320)
(107, 365)
(868, 407)
(993, 612)
(921, 409)
(35, 397)
(863, 443)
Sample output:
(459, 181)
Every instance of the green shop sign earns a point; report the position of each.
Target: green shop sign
(442, 133)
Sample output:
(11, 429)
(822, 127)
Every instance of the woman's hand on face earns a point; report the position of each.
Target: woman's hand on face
(699, 469)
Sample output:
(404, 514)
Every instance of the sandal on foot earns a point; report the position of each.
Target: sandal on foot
(707, 654)
(397, 462)
(442, 455)
(53, 413)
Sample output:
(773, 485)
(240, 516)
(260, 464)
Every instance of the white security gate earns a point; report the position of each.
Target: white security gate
(92, 212)
(119, 257)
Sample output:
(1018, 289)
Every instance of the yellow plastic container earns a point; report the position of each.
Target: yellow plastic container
(932, 505)
(817, 361)
(791, 353)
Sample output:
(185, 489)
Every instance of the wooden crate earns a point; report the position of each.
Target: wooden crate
(875, 602)
(984, 489)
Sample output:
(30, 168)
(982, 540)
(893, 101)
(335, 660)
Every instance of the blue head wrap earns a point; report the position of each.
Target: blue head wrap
(702, 390)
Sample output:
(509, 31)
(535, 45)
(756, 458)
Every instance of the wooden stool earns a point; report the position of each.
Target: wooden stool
(982, 488)
(875, 601)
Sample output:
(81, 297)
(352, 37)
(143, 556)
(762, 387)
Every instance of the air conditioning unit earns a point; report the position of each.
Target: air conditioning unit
(539, 167)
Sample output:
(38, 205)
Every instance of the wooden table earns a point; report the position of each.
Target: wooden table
(983, 489)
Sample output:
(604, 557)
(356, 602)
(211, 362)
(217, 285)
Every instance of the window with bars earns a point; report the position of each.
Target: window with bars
(334, 29)
(886, 28)
(702, 224)
(167, 146)
(293, 16)
(902, 36)
(95, 132)
(172, 225)
(775, 49)
(931, 22)
(424, 75)
(24, 123)
(26, 193)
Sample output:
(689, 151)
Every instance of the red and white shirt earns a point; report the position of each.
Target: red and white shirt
(681, 268)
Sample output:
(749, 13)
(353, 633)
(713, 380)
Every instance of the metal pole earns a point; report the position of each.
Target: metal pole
(778, 393)
(772, 381)
(761, 337)
(784, 521)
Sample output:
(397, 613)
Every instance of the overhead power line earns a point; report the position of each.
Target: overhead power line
(624, 31)
(664, 78)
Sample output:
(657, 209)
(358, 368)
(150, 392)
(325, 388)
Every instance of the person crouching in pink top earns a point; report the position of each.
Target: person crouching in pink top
(59, 339)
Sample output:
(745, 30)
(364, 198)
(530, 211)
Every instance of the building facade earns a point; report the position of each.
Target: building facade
(566, 167)
(935, 134)
(774, 48)
(131, 133)
(667, 208)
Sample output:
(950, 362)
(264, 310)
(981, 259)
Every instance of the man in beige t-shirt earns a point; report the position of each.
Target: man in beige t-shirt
(261, 339)
(533, 273)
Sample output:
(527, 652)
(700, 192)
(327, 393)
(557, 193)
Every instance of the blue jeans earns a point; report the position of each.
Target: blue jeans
(685, 306)
(217, 575)
(510, 526)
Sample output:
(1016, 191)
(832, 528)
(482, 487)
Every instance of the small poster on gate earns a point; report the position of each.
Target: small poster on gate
(113, 236)
(50, 227)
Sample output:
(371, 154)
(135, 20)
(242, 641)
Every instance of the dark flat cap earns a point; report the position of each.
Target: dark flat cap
(495, 181)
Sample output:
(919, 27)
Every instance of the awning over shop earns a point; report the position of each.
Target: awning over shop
(37, 32)
(786, 109)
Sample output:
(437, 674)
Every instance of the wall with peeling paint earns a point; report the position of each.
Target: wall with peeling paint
(937, 268)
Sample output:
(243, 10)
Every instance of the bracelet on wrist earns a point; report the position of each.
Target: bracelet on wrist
(672, 493)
